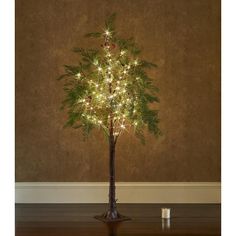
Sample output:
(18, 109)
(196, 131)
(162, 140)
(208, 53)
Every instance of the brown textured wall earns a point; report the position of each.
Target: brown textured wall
(181, 36)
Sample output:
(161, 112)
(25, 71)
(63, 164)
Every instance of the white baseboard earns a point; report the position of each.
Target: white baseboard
(127, 192)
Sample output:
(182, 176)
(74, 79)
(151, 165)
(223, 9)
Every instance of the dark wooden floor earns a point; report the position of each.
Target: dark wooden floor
(77, 220)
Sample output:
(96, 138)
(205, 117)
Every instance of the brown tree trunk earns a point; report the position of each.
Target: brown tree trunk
(112, 212)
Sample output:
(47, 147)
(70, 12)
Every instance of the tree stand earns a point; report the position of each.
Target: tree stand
(112, 215)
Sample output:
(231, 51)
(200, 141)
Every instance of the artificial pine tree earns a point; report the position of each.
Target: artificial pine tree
(109, 89)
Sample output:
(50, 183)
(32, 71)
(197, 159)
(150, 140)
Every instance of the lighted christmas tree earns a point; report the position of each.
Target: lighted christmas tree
(110, 90)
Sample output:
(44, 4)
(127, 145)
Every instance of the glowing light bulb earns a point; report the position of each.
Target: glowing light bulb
(109, 68)
(125, 72)
(122, 52)
(135, 62)
(109, 80)
(99, 68)
(117, 88)
(100, 122)
(96, 85)
(78, 75)
(122, 126)
(107, 32)
(135, 123)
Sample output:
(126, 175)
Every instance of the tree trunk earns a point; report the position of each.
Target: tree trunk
(112, 215)
(112, 212)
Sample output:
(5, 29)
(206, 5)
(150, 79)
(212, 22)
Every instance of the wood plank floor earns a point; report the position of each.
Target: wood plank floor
(77, 220)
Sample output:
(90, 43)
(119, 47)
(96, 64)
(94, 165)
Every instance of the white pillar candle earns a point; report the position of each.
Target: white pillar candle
(165, 213)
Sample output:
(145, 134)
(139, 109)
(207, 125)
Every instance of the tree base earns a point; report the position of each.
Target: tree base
(112, 217)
